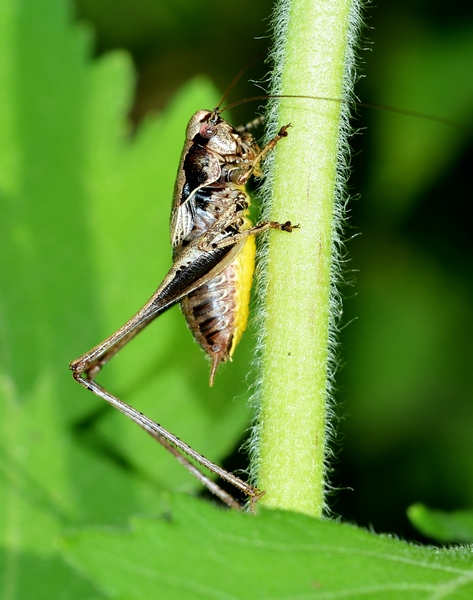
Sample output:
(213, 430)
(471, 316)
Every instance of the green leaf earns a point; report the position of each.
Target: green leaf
(440, 525)
(197, 551)
(27, 575)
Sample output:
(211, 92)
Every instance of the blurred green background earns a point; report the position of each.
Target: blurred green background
(405, 389)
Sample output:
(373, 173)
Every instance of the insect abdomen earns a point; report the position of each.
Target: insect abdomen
(217, 312)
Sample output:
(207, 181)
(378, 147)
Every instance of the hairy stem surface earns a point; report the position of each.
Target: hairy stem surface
(313, 56)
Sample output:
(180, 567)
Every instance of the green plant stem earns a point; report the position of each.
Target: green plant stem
(299, 296)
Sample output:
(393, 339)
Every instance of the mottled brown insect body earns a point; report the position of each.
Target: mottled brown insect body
(209, 193)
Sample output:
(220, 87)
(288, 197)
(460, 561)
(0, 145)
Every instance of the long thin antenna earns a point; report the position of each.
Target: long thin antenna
(402, 111)
(236, 78)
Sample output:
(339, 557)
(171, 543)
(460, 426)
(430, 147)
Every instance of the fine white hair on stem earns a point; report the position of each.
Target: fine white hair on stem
(278, 61)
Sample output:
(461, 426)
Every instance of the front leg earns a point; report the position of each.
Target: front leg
(240, 175)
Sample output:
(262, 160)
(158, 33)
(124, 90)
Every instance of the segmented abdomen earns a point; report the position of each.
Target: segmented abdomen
(217, 312)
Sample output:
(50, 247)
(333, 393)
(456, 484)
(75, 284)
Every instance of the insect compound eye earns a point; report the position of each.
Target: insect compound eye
(207, 130)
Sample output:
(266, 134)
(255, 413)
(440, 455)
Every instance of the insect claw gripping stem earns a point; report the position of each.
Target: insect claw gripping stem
(287, 226)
